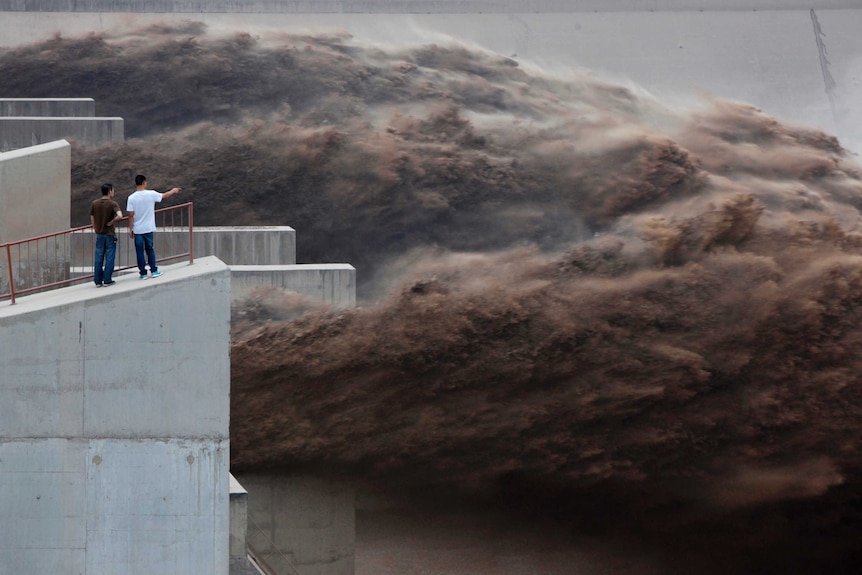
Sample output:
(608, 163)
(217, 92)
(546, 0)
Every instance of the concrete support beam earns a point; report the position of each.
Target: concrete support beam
(334, 284)
(57, 107)
(23, 131)
(34, 190)
(114, 426)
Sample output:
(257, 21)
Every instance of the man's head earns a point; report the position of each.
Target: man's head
(140, 180)
(108, 190)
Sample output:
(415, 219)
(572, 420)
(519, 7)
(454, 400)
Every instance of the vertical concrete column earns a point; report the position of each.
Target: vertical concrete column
(35, 187)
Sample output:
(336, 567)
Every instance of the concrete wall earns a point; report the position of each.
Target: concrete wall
(23, 131)
(114, 417)
(266, 245)
(69, 107)
(35, 188)
(311, 521)
(333, 284)
(410, 6)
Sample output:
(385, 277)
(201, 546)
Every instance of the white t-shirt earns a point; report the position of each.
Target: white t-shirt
(143, 203)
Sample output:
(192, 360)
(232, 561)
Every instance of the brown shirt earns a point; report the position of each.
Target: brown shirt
(103, 211)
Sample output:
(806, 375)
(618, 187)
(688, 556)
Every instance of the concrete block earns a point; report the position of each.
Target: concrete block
(310, 521)
(114, 429)
(23, 131)
(35, 187)
(333, 284)
(57, 107)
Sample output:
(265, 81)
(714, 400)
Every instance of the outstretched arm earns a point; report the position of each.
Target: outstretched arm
(171, 192)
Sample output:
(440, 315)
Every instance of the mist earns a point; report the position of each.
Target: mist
(578, 303)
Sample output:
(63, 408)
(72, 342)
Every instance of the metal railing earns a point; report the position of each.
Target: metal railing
(64, 258)
(266, 554)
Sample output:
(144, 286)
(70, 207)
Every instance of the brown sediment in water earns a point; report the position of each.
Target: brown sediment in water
(576, 301)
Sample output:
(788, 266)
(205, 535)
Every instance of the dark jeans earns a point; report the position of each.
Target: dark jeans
(103, 259)
(144, 243)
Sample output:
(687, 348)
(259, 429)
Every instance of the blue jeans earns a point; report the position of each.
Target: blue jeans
(144, 243)
(103, 259)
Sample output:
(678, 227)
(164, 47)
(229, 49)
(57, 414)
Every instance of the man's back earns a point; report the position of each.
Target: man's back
(103, 211)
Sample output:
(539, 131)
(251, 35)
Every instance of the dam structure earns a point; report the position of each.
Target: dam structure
(114, 445)
(114, 403)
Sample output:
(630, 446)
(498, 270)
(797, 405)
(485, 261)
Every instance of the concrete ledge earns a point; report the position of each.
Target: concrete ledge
(265, 245)
(57, 107)
(334, 284)
(23, 131)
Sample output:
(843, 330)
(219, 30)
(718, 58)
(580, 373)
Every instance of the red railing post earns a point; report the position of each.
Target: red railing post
(191, 235)
(11, 275)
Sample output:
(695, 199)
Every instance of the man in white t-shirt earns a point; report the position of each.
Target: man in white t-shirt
(141, 209)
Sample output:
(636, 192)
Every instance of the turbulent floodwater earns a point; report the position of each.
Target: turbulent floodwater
(581, 308)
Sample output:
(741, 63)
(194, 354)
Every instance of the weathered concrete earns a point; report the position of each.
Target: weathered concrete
(58, 107)
(410, 6)
(333, 284)
(35, 190)
(23, 131)
(114, 447)
(311, 521)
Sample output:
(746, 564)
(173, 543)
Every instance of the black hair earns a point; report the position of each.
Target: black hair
(106, 189)
(140, 179)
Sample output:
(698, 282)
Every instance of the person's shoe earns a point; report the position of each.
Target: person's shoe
(156, 274)
(144, 277)
(110, 283)
(99, 285)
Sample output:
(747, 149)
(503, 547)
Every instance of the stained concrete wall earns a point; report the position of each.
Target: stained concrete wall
(23, 131)
(333, 284)
(311, 521)
(114, 417)
(70, 107)
(410, 6)
(35, 190)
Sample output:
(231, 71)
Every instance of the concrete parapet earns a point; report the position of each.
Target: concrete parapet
(57, 107)
(334, 284)
(23, 131)
(35, 190)
(114, 426)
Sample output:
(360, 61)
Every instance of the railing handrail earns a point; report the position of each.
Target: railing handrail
(7, 247)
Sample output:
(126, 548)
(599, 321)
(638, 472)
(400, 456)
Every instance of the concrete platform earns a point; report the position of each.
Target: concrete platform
(23, 131)
(114, 426)
(57, 107)
(333, 284)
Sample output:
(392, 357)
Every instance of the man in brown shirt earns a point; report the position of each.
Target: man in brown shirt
(103, 213)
